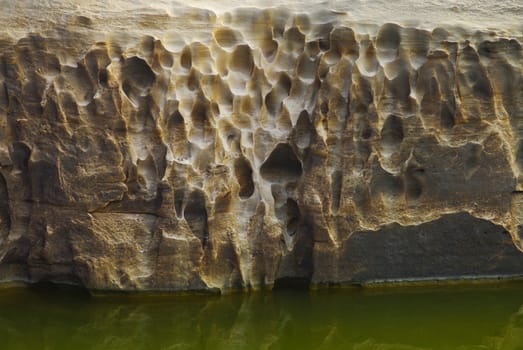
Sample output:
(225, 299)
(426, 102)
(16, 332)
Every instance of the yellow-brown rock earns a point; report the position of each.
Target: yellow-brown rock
(203, 151)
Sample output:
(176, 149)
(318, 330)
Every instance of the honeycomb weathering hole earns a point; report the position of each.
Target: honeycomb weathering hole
(243, 172)
(138, 73)
(195, 214)
(281, 165)
(392, 133)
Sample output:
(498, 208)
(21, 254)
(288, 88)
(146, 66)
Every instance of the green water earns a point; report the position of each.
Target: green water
(452, 318)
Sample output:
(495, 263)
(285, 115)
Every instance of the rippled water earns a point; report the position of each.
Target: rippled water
(453, 318)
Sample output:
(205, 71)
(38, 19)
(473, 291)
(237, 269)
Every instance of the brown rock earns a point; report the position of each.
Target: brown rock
(267, 148)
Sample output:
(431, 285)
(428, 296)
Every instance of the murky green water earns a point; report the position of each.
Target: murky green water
(451, 318)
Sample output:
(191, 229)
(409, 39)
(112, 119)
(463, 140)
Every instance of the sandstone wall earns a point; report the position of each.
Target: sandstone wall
(257, 147)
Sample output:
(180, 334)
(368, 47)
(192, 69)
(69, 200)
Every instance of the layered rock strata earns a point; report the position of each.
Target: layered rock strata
(256, 147)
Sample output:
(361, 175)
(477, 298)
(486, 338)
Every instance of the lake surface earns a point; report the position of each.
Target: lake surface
(487, 317)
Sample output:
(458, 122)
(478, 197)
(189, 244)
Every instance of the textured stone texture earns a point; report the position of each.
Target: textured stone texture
(233, 151)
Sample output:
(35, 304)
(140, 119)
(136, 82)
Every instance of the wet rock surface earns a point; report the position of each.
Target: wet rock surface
(242, 149)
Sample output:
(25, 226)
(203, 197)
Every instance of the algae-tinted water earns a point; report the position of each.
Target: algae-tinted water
(451, 318)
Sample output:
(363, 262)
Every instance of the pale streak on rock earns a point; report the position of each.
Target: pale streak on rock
(204, 152)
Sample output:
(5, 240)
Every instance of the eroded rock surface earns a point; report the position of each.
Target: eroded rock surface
(257, 146)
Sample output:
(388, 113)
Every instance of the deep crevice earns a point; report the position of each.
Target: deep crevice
(281, 165)
(195, 214)
(243, 172)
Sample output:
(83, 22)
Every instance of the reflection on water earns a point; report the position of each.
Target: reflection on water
(471, 318)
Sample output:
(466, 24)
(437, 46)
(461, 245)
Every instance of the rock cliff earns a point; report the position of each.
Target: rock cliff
(256, 148)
